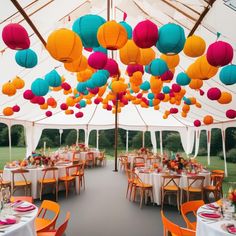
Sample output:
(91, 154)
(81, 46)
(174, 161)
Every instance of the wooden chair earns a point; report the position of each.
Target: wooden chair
(170, 227)
(42, 222)
(124, 163)
(195, 186)
(59, 231)
(4, 183)
(75, 157)
(49, 181)
(101, 159)
(89, 159)
(25, 184)
(139, 162)
(191, 207)
(80, 174)
(152, 160)
(22, 198)
(68, 178)
(218, 172)
(170, 185)
(132, 181)
(216, 188)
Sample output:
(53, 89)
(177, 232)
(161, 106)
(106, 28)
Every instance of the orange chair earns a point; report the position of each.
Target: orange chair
(68, 179)
(58, 232)
(124, 162)
(4, 183)
(188, 207)
(89, 159)
(218, 172)
(139, 162)
(80, 174)
(132, 181)
(49, 181)
(22, 198)
(74, 157)
(43, 223)
(101, 159)
(175, 230)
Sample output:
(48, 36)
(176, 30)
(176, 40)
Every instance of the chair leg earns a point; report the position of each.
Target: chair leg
(66, 186)
(127, 190)
(56, 192)
(79, 183)
(141, 200)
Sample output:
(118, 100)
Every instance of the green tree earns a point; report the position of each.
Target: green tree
(173, 142)
(93, 138)
(71, 137)
(4, 135)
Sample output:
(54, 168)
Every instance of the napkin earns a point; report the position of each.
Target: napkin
(8, 221)
(25, 207)
(210, 215)
(231, 229)
(211, 205)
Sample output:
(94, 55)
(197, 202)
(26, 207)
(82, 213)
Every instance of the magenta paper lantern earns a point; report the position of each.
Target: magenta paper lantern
(134, 68)
(97, 60)
(197, 123)
(93, 90)
(168, 75)
(220, 53)
(97, 101)
(79, 114)
(231, 114)
(176, 88)
(48, 113)
(145, 34)
(174, 110)
(16, 108)
(41, 100)
(161, 96)
(109, 107)
(201, 92)
(64, 106)
(28, 94)
(112, 67)
(66, 86)
(15, 36)
(34, 100)
(213, 93)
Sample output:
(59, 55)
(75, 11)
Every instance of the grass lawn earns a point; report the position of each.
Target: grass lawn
(18, 153)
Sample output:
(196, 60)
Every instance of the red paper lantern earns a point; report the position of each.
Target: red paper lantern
(48, 113)
(16, 108)
(64, 106)
(79, 114)
(28, 94)
(213, 93)
(176, 88)
(161, 96)
(174, 110)
(133, 68)
(97, 60)
(41, 100)
(220, 53)
(65, 86)
(168, 75)
(145, 34)
(15, 36)
(197, 123)
(231, 114)
(112, 67)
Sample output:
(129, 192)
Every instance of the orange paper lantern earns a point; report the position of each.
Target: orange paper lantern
(8, 111)
(77, 65)
(194, 46)
(146, 56)
(171, 60)
(18, 82)
(225, 98)
(9, 89)
(207, 120)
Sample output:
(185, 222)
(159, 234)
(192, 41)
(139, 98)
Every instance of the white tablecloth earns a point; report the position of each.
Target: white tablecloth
(155, 180)
(69, 154)
(35, 174)
(22, 228)
(210, 228)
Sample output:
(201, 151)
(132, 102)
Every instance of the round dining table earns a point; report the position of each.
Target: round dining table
(25, 224)
(68, 155)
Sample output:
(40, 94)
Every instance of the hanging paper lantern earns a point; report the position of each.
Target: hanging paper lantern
(79, 114)
(39, 87)
(128, 29)
(51, 102)
(167, 76)
(174, 110)
(112, 35)
(64, 45)
(87, 27)
(40, 100)
(194, 46)
(9, 89)
(182, 79)
(100, 49)
(231, 114)
(145, 34)
(166, 89)
(44, 106)
(53, 78)
(66, 86)
(118, 86)
(16, 108)
(225, 98)
(145, 86)
(197, 123)
(97, 60)
(213, 93)
(84, 75)
(15, 36)
(171, 39)
(171, 60)
(195, 83)
(94, 90)
(28, 95)
(156, 85)
(207, 120)
(131, 69)
(100, 78)
(146, 56)
(69, 112)
(90, 84)
(228, 75)
(112, 67)
(136, 79)
(157, 67)
(130, 53)
(8, 111)
(64, 106)
(48, 113)
(26, 58)
(77, 65)
(220, 53)
(176, 88)
(18, 82)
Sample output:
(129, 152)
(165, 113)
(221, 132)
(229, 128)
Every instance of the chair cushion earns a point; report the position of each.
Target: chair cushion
(171, 188)
(142, 185)
(47, 181)
(78, 173)
(192, 189)
(210, 188)
(22, 183)
(139, 164)
(41, 223)
(4, 182)
(47, 233)
(67, 178)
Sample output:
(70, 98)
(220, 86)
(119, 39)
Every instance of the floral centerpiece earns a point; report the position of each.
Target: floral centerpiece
(232, 197)
(177, 165)
(144, 151)
(39, 160)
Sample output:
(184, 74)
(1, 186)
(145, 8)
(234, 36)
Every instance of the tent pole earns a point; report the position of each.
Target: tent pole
(97, 144)
(9, 138)
(77, 137)
(224, 152)
(143, 139)
(116, 133)
(161, 147)
(208, 147)
(127, 141)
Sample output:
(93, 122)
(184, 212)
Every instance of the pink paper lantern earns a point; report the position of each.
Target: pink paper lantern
(112, 67)
(145, 34)
(79, 114)
(197, 123)
(41, 100)
(16, 108)
(219, 53)
(15, 36)
(161, 96)
(174, 110)
(64, 106)
(97, 60)
(28, 94)
(66, 86)
(231, 114)
(213, 93)
(48, 113)
(97, 101)
(134, 68)
(94, 90)
(168, 75)
(176, 88)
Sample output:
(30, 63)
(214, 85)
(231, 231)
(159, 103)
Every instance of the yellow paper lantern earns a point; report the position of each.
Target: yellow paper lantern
(171, 60)
(70, 101)
(64, 45)
(146, 56)
(112, 35)
(156, 84)
(84, 75)
(196, 83)
(18, 82)
(9, 89)
(77, 65)
(225, 98)
(194, 46)
(8, 111)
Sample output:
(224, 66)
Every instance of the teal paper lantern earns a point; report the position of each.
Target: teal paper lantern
(26, 58)
(40, 87)
(157, 67)
(90, 83)
(86, 27)
(81, 87)
(100, 49)
(182, 79)
(151, 96)
(145, 86)
(171, 39)
(82, 103)
(53, 78)
(166, 89)
(228, 75)
(128, 28)
(150, 102)
(100, 78)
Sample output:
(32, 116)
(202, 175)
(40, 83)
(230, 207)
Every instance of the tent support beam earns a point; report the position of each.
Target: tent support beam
(202, 16)
(28, 20)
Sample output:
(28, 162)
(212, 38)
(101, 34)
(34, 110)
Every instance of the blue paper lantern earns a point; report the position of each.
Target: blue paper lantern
(82, 103)
(53, 78)
(145, 86)
(40, 87)
(90, 83)
(81, 87)
(171, 39)
(128, 29)
(187, 101)
(182, 79)
(228, 75)
(100, 78)
(26, 58)
(151, 96)
(166, 89)
(86, 27)
(157, 67)
(150, 103)
(100, 49)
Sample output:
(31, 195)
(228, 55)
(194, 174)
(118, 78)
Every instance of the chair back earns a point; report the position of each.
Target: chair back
(170, 180)
(218, 180)
(101, 154)
(75, 168)
(76, 155)
(139, 160)
(1, 176)
(195, 181)
(218, 172)
(62, 228)
(19, 172)
(90, 156)
(49, 170)
(151, 160)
